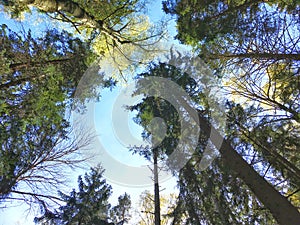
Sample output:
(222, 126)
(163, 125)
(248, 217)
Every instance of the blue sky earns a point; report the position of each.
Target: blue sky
(103, 119)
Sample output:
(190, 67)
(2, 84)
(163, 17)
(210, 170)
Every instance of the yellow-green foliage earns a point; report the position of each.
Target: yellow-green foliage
(146, 208)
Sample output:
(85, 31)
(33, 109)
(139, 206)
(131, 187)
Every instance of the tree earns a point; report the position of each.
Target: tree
(247, 174)
(146, 208)
(32, 60)
(117, 29)
(162, 135)
(273, 138)
(244, 46)
(240, 42)
(208, 21)
(209, 188)
(147, 110)
(38, 80)
(153, 156)
(238, 168)
(88, 205)
(110, 17)
(120, 214)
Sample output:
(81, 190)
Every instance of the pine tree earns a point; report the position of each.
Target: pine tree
(89, 204)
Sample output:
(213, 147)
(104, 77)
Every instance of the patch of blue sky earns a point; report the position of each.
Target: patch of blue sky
(38, 23)
(106, 131)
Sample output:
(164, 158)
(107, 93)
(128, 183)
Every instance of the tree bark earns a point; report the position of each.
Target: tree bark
(67, 6)
(20, 66)
(85, 18)
(234, 9)
(258, 55)
(156, 189)
(281, 209)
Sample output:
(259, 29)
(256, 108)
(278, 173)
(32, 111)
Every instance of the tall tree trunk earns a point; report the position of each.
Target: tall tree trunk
(257, 55)
(66, 6)
(156, 189)
(281, 209)
(74, 10)
(19, 66)
(233, 9)
(31, 65)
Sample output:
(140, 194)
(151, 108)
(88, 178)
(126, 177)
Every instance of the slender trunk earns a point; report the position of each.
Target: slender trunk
(156, 189)
(19, 66)
(254, 55)
(281, 209)
(234, 9)
(261, 98)
(292, 170)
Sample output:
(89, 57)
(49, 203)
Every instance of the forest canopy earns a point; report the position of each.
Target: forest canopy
(249, 49)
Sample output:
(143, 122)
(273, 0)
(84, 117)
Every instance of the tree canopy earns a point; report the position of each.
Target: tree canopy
(250, 48)
(119, 31)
